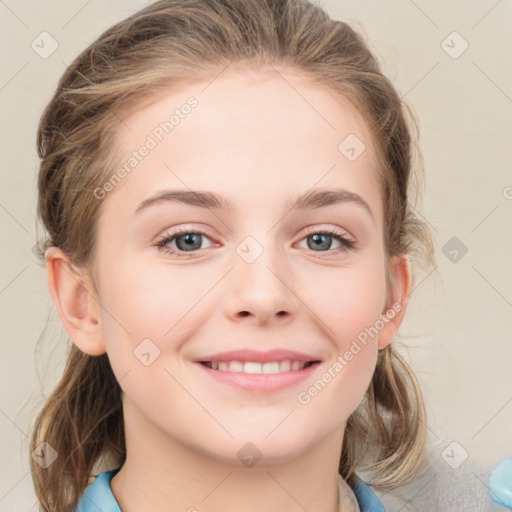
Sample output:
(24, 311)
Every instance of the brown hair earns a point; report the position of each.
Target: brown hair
(168, 42)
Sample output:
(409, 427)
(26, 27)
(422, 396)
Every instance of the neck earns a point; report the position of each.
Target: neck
(161, 474)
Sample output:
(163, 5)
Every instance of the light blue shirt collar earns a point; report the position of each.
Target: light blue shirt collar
(98, 496)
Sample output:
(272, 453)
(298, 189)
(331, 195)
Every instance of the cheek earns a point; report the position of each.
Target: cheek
(147, 319)
(150, 304)
(350, 301)
(138, 291)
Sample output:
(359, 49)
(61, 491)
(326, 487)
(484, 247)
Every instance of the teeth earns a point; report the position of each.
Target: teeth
(250, 367)
(233, 366)
(296, 365)
(255, 367)
(285, 366)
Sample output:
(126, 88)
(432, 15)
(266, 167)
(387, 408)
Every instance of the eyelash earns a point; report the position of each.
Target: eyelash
(346, 244)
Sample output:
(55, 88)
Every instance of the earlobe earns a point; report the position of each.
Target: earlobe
(76, 302)
(397, 302)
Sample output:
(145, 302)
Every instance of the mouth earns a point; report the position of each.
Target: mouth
(257, 377)
(249, 361)
(256, 367)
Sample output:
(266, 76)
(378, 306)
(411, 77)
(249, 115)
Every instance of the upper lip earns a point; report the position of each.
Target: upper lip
(246, 355)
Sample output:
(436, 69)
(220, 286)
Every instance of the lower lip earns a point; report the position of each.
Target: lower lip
(260, 382)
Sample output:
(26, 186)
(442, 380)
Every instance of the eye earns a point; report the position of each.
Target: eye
(186, 240)
(321, 241)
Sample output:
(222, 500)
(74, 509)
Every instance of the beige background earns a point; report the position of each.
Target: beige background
(458, 324)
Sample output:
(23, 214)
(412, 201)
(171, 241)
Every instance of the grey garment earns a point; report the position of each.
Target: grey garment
(442, 488)
(347, 499)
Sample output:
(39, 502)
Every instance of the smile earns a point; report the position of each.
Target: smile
(253, 367)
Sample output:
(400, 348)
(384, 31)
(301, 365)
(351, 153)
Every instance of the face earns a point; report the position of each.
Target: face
(252, 270)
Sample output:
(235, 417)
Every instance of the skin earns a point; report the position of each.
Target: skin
(259, 142)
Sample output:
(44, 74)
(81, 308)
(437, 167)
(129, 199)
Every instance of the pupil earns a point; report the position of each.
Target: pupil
(189, 241)
(318, 238)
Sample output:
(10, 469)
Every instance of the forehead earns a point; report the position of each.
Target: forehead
(261, 97)
(246, 127)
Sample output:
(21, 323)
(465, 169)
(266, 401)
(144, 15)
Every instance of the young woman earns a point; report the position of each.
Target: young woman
(227, 189)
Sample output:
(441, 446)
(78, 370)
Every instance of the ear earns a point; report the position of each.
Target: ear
(76, 302)
(398, 298)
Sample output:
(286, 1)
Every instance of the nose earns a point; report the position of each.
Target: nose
(261, 289)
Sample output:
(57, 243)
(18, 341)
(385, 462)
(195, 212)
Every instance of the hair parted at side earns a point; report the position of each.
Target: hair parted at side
(173, 41)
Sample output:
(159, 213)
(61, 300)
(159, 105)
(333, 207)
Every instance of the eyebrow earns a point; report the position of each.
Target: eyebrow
(313, 199)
